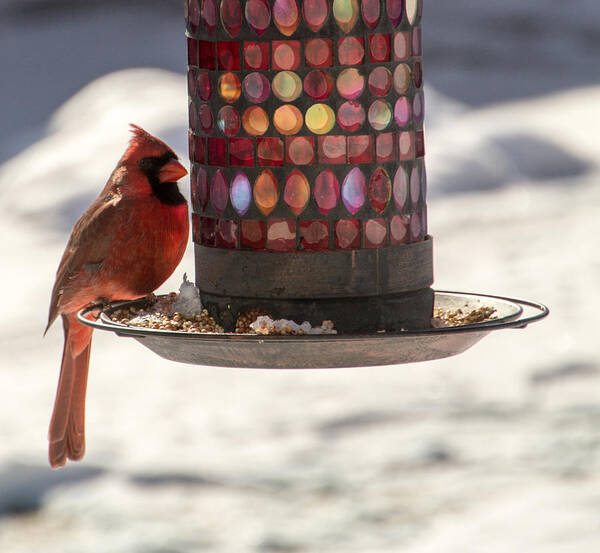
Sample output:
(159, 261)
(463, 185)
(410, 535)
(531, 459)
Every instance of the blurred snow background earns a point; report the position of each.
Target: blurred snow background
(495, 451)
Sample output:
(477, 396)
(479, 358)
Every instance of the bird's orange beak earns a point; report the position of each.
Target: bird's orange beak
(172, 171)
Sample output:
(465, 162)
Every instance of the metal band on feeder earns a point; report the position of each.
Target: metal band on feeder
(307, 150)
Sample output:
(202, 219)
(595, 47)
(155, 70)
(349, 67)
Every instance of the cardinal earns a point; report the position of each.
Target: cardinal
(127, 243)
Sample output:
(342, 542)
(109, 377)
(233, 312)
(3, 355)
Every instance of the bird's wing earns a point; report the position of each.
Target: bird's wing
(88, 245)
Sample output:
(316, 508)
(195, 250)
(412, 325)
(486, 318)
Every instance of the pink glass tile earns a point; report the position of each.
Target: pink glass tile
(406, 145)
(395, 11)
(318, 52)
(385, 147)
(193, 15)
(256, 87)
(354, 190)
(416, 228)
(401, 46)
(380, 81)
(332, 149)
(351, 49)
(418, 108)
(253, 234)
(314, 235)
(226, 234)
(286, 16)
(240, 193)
(416, 42)
(200, 189)
(315, 13)
(347, 234)
(193, 116)
(286, 54)
(402, 111)
(258, 15)
(241, 152)
(228, 120)
(415, 186)
(269, 151)
(351, 116)
(205, 118)
(371, 12)
(300, 150)
(204, 87)
(256, 55)
(375, 231)
(281, 235)
(399, 229)
(400, 188)
(360, 149)
(326, 191)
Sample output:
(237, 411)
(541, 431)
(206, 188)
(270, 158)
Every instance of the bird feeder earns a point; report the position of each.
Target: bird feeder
(308, 185)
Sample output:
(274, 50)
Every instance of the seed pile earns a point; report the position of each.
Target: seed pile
(160, 316)
(242, 325)
(283, 327)
(458, 317)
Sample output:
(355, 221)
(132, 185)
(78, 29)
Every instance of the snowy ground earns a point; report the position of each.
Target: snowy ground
(495, 451)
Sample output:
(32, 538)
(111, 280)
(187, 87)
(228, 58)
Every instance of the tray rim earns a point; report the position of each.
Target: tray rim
(516, 320)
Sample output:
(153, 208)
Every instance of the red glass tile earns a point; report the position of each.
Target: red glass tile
(200, 189)
(281, 235)
(192, 45)
(204, 86)
(258, 15)
(205, 118)
(380, 189)
(371, 12)
(206, 54)
(420, 144)
(314, 235)
(416, 41)
(395, 10)
(286, 54)
(360, 149)
(402, 46)
(193, 116)
(208, 15)
(332, 149)
(300, 150)
(217, 151)
(315, 13)
(379, 47)
(226, 235)
(326, 191)
(241, 152)
(256, 55)
(351, 116)
(418, 74)
(351, 49)
(228, 55)
(385, 147)
(199, 149)
(380, 81)
(207, 231)
(253, 234)
(269, 151)
(190, 145)
(375, 233)
(318, 52)
(406, 145)
(231, 16)
(192, 14)
(192, 83)
(347, 234)
(399, 229)
(196, 234)
(318, 84)
(219, 192)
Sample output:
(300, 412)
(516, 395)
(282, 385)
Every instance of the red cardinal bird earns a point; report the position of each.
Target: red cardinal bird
(125, 245)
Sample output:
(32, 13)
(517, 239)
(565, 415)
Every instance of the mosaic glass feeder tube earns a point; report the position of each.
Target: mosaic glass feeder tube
(307, 150)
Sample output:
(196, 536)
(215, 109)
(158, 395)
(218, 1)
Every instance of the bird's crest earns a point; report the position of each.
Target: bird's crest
(142, 141)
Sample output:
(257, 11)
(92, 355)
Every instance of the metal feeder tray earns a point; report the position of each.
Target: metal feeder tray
(333, 350)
